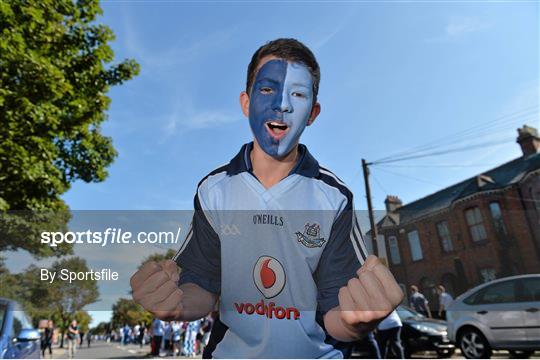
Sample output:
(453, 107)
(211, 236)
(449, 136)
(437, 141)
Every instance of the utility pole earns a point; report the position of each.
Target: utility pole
(370, 207)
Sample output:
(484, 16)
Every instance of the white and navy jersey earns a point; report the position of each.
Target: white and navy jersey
(276, 256)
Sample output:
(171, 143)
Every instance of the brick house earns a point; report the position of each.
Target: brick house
(485, 227)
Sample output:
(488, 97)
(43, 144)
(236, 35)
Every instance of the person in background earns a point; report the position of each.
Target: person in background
(88, 338)
(47, 339)
(445, 299)
(125, 331)
(142, 333)
(176, 328)
(167, 336)
(373, 346)
(136, 330)
(72, 338)
(206, 329)
(190, 338)
(157, 336)
(419, 302)
(388, 333)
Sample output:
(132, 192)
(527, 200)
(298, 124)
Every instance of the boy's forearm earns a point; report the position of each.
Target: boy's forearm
(196, 301)
(340, 331)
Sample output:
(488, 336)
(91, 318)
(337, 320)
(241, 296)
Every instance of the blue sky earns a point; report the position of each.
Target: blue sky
(394, 76)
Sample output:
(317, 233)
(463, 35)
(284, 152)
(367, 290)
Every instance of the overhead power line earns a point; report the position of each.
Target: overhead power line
(434, 165)
(442, 152)
(499, 125)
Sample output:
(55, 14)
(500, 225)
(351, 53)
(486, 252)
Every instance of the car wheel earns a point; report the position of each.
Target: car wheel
(474, 345)
(521, 354)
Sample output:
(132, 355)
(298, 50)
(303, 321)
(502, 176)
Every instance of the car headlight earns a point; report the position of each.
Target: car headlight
(428, 329)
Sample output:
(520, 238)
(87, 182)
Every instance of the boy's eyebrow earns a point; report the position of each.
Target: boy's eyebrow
(300, 84)
(266, 78)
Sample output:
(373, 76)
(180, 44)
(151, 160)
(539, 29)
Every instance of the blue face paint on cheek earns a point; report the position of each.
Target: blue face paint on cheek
(298, 96)
(265, 102)
(280, 104)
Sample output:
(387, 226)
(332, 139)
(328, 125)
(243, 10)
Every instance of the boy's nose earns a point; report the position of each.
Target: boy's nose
(285, 105)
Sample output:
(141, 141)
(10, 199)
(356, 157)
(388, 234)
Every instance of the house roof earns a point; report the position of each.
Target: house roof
(500, 177)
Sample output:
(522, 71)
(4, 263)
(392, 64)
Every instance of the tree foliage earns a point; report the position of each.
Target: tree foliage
(60, 301)
(56, 67)
(159, 257)
(126, 311)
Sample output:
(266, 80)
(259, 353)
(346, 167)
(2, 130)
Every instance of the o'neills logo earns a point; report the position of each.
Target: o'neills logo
(270, 310)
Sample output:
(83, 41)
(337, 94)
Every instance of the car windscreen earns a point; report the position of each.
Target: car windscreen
(405, 313)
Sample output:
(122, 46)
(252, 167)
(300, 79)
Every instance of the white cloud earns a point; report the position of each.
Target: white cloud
(199, 120)
(328, 36)
(464, 26)
(183, 50)
(459, 27)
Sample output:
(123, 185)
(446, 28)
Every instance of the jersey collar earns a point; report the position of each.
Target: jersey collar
(306, 166)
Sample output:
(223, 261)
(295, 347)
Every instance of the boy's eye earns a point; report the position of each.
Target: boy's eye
(298, 94)
(265, 90)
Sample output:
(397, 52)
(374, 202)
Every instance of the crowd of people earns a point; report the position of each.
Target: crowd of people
(385, 341)
(73, 337)
(167, 338)
(178, 338)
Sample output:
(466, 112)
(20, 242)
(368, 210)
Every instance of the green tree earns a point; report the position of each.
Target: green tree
(101, 329)
(83, 320)
(159, 257)
(126, 311)
(56, 67)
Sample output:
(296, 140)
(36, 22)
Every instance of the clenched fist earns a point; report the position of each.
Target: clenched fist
(370, 296)
(155, 287)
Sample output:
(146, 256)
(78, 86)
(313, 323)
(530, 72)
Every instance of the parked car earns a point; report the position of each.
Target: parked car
(502, 314)
(18, 340)
(420, 333)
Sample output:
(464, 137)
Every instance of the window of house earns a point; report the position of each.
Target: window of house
(535, 197)
(476, 224)
(488, 274)
(496, 216)
(394, 250)
(444, 236)
(414, 243)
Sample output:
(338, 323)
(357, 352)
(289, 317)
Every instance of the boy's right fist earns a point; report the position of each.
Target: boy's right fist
(155, 287)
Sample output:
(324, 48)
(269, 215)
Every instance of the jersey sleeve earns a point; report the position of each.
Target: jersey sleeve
(199, 256)
(343, 255)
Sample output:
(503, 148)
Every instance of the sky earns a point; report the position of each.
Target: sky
(395, 76)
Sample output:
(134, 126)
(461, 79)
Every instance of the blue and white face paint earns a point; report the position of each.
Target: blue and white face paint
(281, 100)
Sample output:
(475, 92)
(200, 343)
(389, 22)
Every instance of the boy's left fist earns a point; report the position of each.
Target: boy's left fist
(370, 296)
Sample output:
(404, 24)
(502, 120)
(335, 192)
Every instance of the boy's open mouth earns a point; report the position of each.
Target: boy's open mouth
(277, 129)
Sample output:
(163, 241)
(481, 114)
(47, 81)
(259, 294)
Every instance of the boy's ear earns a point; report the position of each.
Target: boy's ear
(244, 103)
(315, 111)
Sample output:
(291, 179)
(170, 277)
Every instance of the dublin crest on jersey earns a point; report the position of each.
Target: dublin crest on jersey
(311, 236)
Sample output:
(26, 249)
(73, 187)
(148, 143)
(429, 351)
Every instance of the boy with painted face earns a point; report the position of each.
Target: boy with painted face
(289, 284)
(280, 106)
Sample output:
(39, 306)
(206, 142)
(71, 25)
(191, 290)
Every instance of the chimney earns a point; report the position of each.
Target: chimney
(392, 203)
(529, 140)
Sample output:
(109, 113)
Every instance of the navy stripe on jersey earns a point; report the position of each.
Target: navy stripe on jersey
(197, 207)
(356, 235)
(220, 169)
(200, 253)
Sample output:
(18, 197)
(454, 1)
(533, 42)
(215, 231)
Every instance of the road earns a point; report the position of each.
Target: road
(104, 350)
